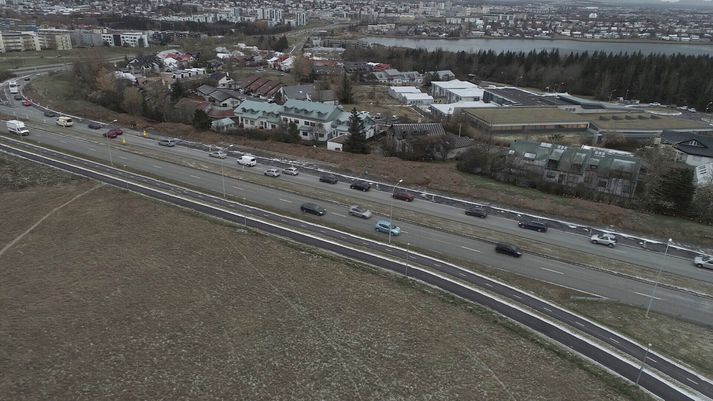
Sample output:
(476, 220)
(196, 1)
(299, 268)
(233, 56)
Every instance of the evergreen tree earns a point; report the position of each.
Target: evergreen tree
(356, 143)
(281, 44)
(345, 90)
(201, 120)
(177, 90)
(293, 133)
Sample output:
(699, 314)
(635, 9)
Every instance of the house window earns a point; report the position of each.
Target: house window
(602, 184)
(304, 134)
(593, 167)
(550, 174)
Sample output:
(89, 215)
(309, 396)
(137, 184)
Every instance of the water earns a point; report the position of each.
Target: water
(526, 45)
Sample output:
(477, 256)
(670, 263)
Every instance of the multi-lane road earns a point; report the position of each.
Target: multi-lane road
(81, 140)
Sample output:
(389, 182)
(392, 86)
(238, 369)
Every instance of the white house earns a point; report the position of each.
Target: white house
(337, 144)
(439, 89)
(254, 114)
(313, 119)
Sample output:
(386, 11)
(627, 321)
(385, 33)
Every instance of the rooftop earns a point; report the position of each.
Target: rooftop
(454, 84)
(525, 115)
(641, 121)
(522, 97)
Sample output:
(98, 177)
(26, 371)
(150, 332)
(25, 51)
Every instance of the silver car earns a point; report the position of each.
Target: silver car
(703, 262)
(359, 211)
(272, 172)
(290, 171)
(219, 154)
(604, 239)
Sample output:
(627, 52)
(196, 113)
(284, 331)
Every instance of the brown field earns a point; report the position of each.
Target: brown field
(115, 296)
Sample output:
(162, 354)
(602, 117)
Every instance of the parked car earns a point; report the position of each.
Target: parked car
(508, 249)
(218, 154)
(477, 211)
(26, 103)
(359, 211)
(534, 225)
(167, 142)
(18, 97)
(384, 226)
(329, 178)
(403, 195)
(272, 172)
(313, 209)
(94, 125)
(50, 113)
(290, 171)
(604, 239)
(704, 261)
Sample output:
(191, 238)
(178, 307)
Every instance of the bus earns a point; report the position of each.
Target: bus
(13, 88)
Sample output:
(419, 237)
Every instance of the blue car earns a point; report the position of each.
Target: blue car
(384, 226)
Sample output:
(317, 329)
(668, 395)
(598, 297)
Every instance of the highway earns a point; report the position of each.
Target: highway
(598, 284)
(326, 238)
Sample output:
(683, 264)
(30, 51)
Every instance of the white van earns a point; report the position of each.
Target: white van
(65, 121)
(247, 160)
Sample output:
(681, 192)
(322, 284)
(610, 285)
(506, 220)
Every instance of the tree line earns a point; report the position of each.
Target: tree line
(667, 79)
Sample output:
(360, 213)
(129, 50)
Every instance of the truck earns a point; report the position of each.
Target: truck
(17, 127)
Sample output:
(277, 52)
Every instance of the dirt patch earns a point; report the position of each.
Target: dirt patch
(120, 297)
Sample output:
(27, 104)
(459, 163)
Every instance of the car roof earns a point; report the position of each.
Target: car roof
(383, 222)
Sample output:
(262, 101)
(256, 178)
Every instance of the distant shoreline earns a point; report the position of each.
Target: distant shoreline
(558, 38)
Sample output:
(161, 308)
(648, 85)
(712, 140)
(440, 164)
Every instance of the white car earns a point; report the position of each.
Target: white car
(272, 172)
(703, 261)
(290, 171)
(218, 154)
(604, 239)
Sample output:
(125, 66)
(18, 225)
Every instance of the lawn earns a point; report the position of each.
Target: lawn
(116, 296)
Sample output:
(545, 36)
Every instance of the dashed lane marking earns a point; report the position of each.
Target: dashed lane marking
(550, 270)
(470, 249)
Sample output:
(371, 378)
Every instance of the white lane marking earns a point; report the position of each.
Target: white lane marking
(340, 215)
(436, 265)
(63, 141)
(285, 200)
(123, 158)
(195, 176)
(92, 149)
(580, 323)
(614, 340)
(435, 251)
(462, 274)
(155, 166)
(470, 249)
(547, 309)
(654, 360)
(489, 285)
(647, 296)
(516, 296)
(694, 382)
(238, 188)
(550, 270)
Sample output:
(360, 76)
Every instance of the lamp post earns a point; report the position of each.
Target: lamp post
(108, 145)
(391, 207)
(643, 363)
(653, 293)
(408, 245)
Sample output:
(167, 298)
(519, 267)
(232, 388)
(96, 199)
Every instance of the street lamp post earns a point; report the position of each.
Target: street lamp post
(391, 207)
(408, 245)
(658, 275)
(222, 178)
(108, 145)
(643, 363)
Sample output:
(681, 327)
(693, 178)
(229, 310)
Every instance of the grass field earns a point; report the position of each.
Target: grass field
(115, 296)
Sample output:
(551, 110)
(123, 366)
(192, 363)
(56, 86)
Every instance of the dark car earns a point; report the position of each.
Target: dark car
(18, 97)
(94, 125)
(113, 133)
(508, 249)
(329, 178)
(534, 225)
(361, 185)
(50, 113)
(403, 195)
(313, 209)
(477, 211)
(27, 78)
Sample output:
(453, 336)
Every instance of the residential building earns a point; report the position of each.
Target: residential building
(340, 125)
(397, 91)
(309, 93)
(126, 39)
(55, 39)
(82, 38)
(464, 95)
(221, 79)
(301, 18)
(223, 124)
(597, 169)
(18, 41)
(512, 96)
(694, 149)
(406, 138)
(704, 174)
(312, 118)
(224, 98)
(258, 114)
(337, 144)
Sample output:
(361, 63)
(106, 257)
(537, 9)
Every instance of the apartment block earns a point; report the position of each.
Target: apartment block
(54, 39)
(16, 41)
(126, 39)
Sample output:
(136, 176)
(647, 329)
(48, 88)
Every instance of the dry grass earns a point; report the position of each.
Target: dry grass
(119, 297)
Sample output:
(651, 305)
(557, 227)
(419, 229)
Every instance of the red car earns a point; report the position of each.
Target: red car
(26, 103)
(403, 195)
(113, 133)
